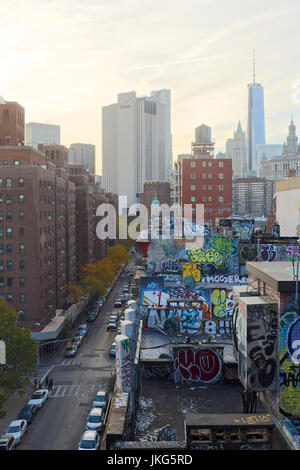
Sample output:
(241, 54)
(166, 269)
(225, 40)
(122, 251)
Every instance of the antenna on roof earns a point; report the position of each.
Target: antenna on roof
(254, 71)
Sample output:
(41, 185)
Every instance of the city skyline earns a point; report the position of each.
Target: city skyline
(205, 59)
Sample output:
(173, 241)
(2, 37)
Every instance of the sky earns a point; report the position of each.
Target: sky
(63, 60)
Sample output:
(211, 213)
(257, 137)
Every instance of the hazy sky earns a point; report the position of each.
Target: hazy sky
(63, 60)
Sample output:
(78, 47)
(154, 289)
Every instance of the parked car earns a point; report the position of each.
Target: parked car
(119, 330)
(28, 412)
(122, 318)
(84, 328)
(94, 420)
(77, 340)
(100, 400)
(90, 440)
(71, 351)
(114, 316)
(112, 350)
(118, 303)
(111, 325)
(39, 397)
(7, 442)
(17, 429)
(125, 289)
(91, 317)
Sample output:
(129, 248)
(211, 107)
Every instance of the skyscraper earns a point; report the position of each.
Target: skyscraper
(256, 122)
(236, 150)
(83, 154)
(39, 133)
(136, 143)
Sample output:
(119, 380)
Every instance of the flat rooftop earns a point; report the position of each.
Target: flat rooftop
(163, 403)
(279, 275)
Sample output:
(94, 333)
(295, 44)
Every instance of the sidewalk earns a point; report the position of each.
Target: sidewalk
(15, 402)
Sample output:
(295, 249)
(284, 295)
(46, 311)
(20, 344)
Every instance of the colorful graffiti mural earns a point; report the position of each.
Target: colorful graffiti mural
(170, 265)
(289, 397)
(222, 303)
(191, 270)
(198, 365)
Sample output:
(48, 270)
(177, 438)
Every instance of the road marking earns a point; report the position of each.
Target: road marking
(71, 362)
(75, 390)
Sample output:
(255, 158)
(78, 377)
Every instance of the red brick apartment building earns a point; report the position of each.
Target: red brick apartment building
(47, 226)
(200, 178)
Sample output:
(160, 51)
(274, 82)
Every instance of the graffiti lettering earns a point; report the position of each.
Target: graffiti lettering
(269, 253)
(206, 256)
(203, 365)
(191, 270)
(224, 245)
(222, 303)
(170, 265)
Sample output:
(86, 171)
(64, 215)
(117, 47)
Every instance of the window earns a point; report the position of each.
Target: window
(209, 187)
(1, 216)
(221, 164)
(1, 232)
(209, 175)
(9, 265)
(21, 215)
(193, 188)
(1, 249)
(6, 117)
(1, 281)
(21, 232)
(209, 163)
(221, 211)
(204, 186)
(1, 197)
(209, 198)
(22, 281)
(204, 198)
(22, 298)
(9, 281)
(9, 232)
(8, 198)
(221, 199)
(21, 182)
(1, 265)
(17, 162)
(9, 248)
(22, 265)
(193, 176)
(21, 249)
(8, 216)
(193, 199)
(21, 198)
(221, 187)
(221, 176)
(1, 182)
(204, 164)
(10, 298)
(193, 164)
(204, 176)
(8, 183)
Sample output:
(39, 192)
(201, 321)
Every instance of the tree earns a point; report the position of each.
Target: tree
(93, 286)
(118, 255)
(75, 292)
(21, 355)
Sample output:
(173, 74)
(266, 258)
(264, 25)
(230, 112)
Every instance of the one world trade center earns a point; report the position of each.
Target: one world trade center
(256, 123)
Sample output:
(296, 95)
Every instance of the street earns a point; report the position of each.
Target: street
(61, 422)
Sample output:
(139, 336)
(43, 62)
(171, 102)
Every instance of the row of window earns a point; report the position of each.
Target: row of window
(209, 187)
(9, 281)
(9, 265)
(193, 199)
(209, 164)
(9, 216)
(16, 162)
(10, 298)
(9, 232)
(9, 249)
(8, 199)
(209, 176)
(8, 182)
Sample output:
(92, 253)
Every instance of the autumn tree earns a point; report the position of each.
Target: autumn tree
(21, 355)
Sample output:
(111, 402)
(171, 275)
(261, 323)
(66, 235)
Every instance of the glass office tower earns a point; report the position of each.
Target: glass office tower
(256, 124)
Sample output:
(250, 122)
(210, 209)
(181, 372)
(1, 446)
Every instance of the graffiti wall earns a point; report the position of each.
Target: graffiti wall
(289, 398)
(200, 365)
(262, 326)
(123, 363)
(190, 311)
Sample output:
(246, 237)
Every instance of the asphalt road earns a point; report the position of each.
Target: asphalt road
(61, 422)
